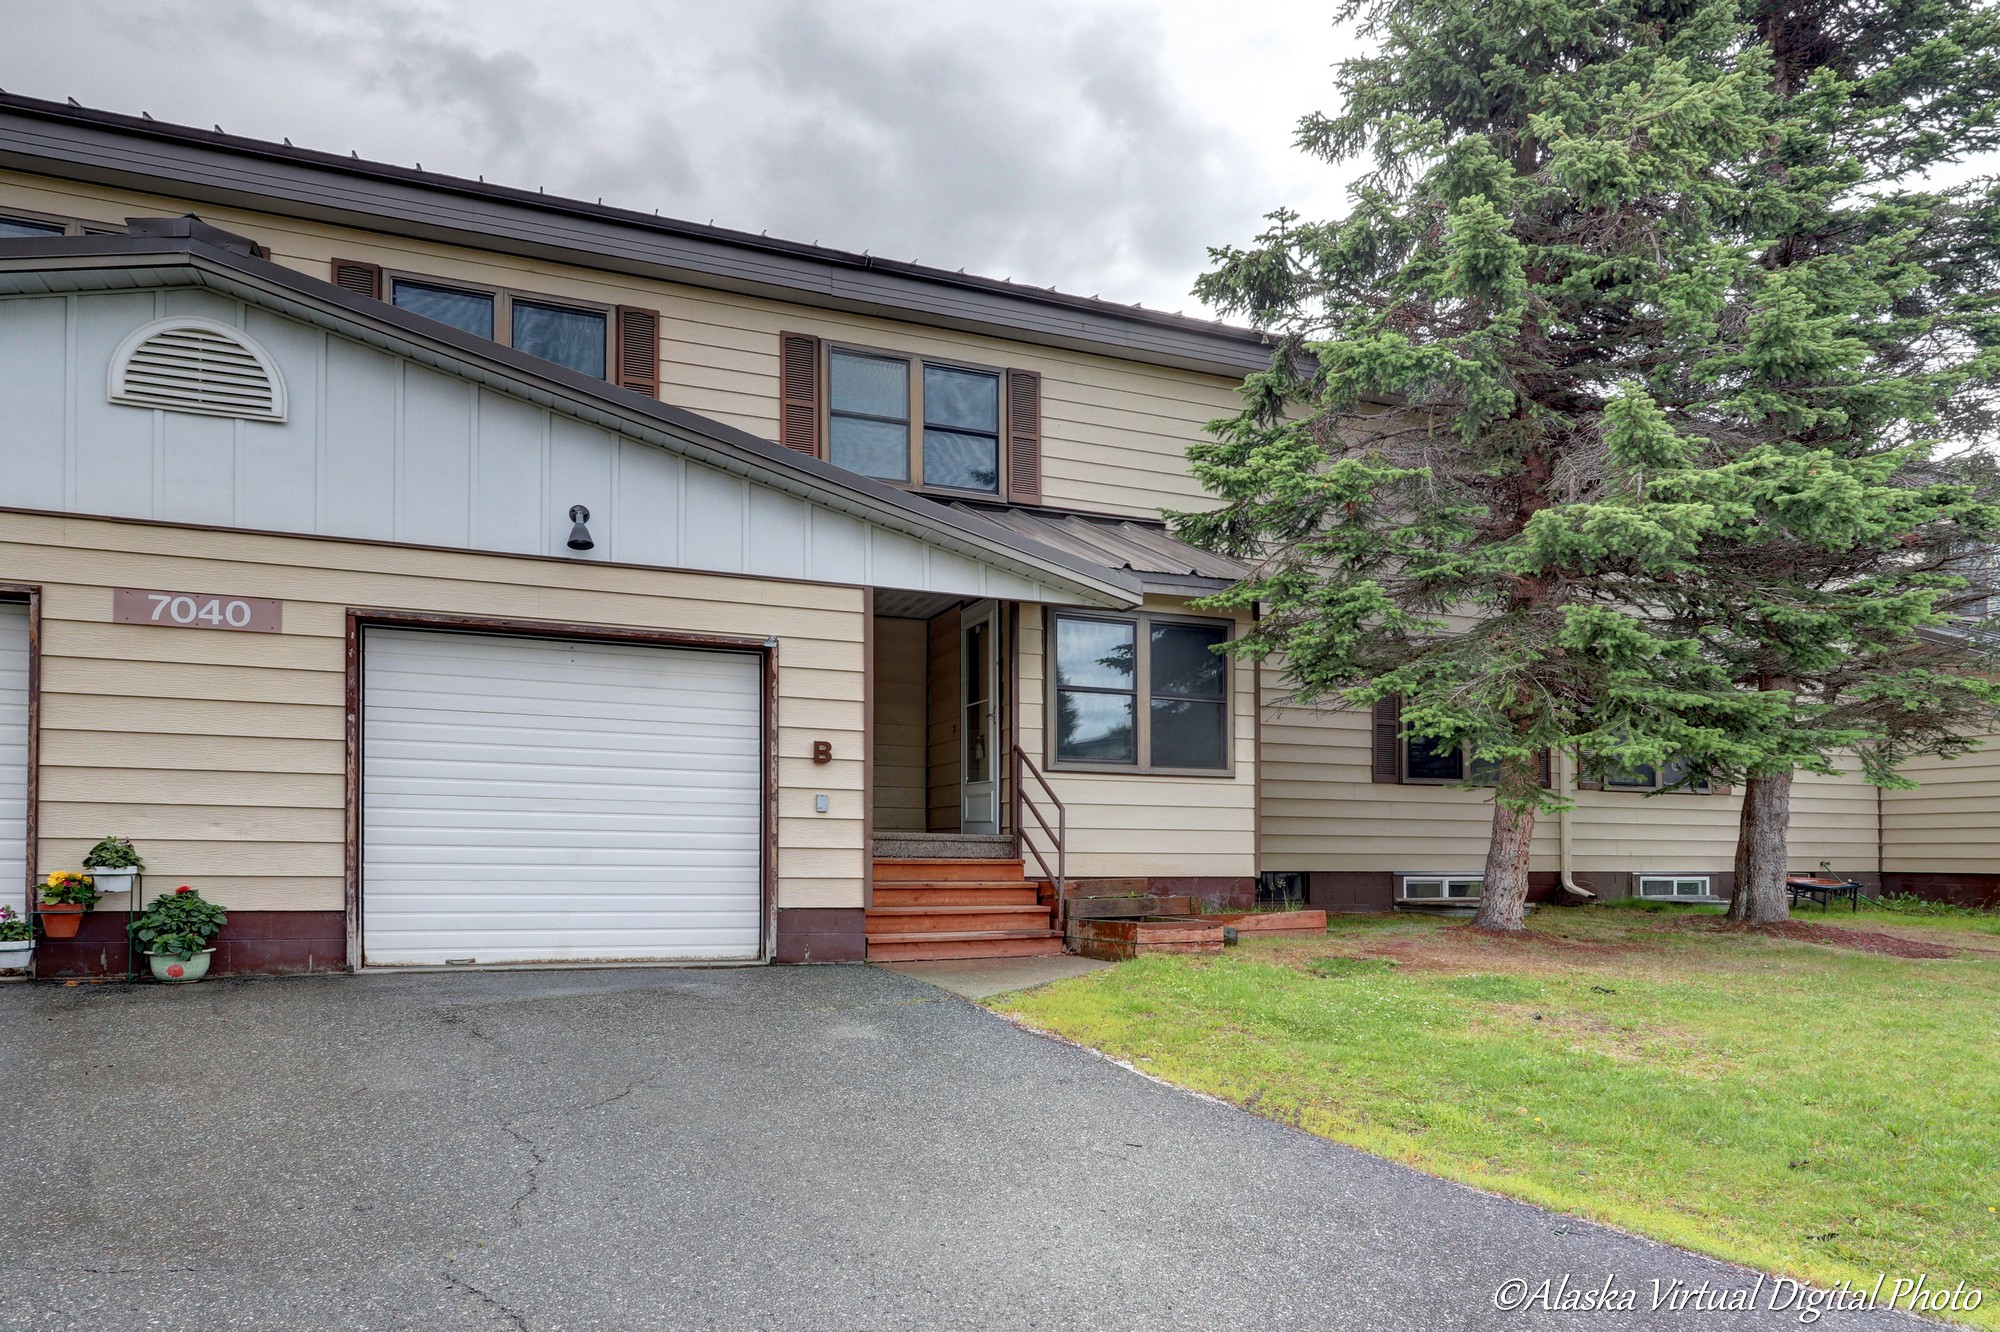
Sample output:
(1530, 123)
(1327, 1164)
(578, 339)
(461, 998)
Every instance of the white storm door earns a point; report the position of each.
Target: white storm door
(14, 755)
(979, 728)
(542, 800)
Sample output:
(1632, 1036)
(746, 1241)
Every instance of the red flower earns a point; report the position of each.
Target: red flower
(182, 889)
(176, 971)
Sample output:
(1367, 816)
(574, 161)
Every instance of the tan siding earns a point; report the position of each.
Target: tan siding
(1138, 825)
(223, 754)
(1951, 823)
(1115, 433)
(943, 810)
(1321, 812)
(901, 738)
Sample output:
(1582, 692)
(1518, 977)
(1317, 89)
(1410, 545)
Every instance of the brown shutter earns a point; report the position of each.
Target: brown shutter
(1024, 437)
(1388, 766)
(362, 279)
(1722, 788)
(798, 392)
(639, 350)
(1584, 783)
(1548, 769)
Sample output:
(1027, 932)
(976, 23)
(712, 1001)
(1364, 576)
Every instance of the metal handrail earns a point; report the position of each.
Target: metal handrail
(1058, 835)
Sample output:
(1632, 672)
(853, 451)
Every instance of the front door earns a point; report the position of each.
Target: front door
(979, 729)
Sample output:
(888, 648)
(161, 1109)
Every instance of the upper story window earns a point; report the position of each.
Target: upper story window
(1142, 693)
(1435, 761)
(48, 224)
(576, 336)
(873, 399)
(912, 420)
(620, 343)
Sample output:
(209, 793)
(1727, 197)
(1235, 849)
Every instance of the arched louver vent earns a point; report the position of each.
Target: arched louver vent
(200, 366)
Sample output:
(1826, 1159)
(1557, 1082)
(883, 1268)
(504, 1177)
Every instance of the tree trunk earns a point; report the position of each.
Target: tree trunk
(1761, 851)
(1503, 900)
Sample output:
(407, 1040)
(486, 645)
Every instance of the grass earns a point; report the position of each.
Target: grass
(1820, 1112)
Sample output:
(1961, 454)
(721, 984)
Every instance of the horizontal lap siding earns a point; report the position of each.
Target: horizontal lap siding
(1142, 826)
(1115, 433)
(223, 754)
(1321, 812)
(901, 743)
(1951, 823)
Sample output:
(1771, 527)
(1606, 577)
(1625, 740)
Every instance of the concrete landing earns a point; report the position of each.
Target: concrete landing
(980, 977)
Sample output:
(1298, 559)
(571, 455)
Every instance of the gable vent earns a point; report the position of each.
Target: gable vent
(200, 366)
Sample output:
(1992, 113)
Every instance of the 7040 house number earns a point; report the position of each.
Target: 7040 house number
(197, 610)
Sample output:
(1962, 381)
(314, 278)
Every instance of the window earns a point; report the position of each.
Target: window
(1146, 693)
(572, 335)
(1442, 887)
(1667, 886)
(14, 225)
(1433, 761)
(872, 400)
(21, 226)
(1645, 777)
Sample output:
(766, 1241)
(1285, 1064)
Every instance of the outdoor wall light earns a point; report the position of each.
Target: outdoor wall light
(579, 535)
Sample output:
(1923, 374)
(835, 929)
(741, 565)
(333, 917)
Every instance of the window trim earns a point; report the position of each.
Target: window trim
(1640, 879)
(1445, 879)
(503, 309)
(915, 363)
(1142, 622)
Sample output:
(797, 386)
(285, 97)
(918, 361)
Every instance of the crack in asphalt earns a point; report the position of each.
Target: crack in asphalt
(506, 1311)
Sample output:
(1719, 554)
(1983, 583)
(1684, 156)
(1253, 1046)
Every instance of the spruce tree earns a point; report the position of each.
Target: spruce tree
(1533, 394)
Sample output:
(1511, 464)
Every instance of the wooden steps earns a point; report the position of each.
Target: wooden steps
(955, 907)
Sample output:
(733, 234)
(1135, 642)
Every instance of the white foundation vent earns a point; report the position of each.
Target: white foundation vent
(200, 366)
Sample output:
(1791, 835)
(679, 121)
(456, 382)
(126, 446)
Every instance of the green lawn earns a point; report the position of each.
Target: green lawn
(1821, 1112)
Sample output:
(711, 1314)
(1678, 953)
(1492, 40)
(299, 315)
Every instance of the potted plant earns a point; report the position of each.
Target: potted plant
(175, 933)
(66, 895)
(114, 862)
(17, 940)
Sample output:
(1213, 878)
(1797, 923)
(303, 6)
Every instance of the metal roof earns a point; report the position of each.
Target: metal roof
(1162, 562)
(181, 161)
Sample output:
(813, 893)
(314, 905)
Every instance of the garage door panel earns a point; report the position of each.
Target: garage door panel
(528, 800)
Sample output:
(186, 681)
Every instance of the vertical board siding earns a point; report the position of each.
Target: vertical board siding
(223, 754)
(384, 449)
(1114, 433)
(13, 755)
(901, 736)
(942, 803)
(1139, 825)
(1324, 811)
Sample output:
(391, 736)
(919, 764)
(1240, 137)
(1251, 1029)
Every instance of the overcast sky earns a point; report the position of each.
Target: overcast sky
(1095, 145)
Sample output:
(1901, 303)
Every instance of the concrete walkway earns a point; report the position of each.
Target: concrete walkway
(825, 1147)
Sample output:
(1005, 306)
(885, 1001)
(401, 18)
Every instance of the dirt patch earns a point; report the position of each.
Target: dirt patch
(1835, 936)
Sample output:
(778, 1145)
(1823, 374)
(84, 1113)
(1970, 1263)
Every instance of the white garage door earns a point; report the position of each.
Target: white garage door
(14, 755)
(530, 800)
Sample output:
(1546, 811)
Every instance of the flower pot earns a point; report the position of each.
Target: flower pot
(112, 880)
(167, 967)
(16, 954)
(61, 920)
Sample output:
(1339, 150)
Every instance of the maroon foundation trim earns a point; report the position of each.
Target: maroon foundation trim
(253, 943)
(822, 934)
(1973, 890)
(1225, 892)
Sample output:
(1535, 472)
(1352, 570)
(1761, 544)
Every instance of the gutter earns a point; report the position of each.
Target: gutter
(1565, 764)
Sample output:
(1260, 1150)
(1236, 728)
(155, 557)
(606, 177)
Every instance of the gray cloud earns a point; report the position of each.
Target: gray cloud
(1056, 143)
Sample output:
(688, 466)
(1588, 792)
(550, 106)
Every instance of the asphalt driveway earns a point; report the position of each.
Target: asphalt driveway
(824, 1147)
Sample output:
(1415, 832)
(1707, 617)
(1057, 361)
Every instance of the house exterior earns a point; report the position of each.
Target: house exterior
(438, 573)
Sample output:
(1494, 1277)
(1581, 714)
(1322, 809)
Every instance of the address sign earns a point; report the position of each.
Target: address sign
(197, 610)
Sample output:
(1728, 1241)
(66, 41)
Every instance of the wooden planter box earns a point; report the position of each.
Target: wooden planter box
(1271, 922)
(1120, 940)
(1133, 906)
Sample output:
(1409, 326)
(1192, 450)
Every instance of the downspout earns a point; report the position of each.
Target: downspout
(1566, 791)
